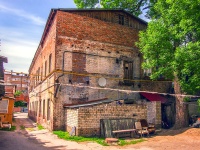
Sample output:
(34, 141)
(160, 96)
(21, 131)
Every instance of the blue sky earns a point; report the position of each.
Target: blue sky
(21, 26)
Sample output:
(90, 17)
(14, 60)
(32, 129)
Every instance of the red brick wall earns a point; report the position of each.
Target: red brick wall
(86, 28)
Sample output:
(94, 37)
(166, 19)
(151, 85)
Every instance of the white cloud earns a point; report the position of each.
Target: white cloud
(18, 46)
(21, 13)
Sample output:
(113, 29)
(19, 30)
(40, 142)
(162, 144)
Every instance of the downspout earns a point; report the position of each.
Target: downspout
(57, 80)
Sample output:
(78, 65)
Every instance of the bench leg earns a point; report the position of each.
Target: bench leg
(131, 134)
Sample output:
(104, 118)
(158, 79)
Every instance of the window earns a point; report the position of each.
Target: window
(48, 109)
(24, 85)
(45, 68)
(40, 108)
(43, 109)
(147, 72)
(50, 63)
(39, 74)
(121, 19)
(36, 108)
(128, 72)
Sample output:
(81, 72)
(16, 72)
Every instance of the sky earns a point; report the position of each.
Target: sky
(22, 24)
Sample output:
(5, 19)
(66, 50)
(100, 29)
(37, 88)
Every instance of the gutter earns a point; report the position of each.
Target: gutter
(57, 80)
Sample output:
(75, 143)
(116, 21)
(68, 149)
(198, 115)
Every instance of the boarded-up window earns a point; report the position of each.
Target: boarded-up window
(128, 72)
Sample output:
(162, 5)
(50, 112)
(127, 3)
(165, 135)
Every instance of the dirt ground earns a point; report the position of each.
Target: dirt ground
(183, 139)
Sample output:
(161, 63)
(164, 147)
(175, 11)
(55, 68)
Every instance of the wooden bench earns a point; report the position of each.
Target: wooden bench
(117, 127)
(131, 131)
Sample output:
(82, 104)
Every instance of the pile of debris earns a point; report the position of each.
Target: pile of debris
(195, 121)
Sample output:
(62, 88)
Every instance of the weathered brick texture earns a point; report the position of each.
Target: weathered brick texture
(91, 45)
(87, 119)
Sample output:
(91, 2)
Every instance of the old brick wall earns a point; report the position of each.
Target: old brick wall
(91, 47)
(41, 87)
(156, 86)
(86, 28)
(89, 117)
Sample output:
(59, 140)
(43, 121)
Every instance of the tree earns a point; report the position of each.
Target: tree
(171, 44)
(133, 6)
(17, 93)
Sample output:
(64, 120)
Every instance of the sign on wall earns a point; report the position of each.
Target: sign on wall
(4, 106)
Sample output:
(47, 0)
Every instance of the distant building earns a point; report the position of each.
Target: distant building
(2, 88)
(16, 82)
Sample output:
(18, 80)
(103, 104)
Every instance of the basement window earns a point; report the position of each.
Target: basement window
(121, 19)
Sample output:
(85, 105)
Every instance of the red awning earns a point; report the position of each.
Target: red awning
(154, 97)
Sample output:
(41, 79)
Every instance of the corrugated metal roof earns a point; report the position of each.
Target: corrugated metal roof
(92, 103)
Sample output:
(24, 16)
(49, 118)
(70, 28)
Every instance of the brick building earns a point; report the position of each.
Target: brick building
(2, 87)
(85, 57)
(15, 81)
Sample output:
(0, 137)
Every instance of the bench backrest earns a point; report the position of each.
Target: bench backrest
(109, 125)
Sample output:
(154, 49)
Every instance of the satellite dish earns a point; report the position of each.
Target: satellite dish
(102, 81)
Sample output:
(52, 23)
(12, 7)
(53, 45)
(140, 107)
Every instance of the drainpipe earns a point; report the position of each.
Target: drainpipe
(57, 80)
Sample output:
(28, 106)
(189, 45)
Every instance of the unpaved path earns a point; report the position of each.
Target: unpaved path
(184, 139)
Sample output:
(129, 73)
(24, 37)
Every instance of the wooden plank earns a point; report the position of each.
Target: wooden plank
(128, 130)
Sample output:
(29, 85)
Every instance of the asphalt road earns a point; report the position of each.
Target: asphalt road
(17, 141)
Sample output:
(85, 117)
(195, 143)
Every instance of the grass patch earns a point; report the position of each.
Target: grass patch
(101, 141)
(124, 142)
(22, 127)
(66, 136)
(30, 129)
(40, 127)
(13, 128)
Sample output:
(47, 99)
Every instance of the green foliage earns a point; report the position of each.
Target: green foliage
(13, 128)
(19, 104)
(86, 3)
(22, 127)
(40, 127)
(101, 141)
(133, 6)
(123, 142)
(198, 103)
(17, 93)
(66, 136)
(171, 43)
(186, 99)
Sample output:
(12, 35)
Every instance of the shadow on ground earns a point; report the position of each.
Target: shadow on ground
(23, 123)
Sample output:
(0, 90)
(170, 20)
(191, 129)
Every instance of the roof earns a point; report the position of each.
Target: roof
(154, 97)
(98, 9)
(53, 13)
(89, 103)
